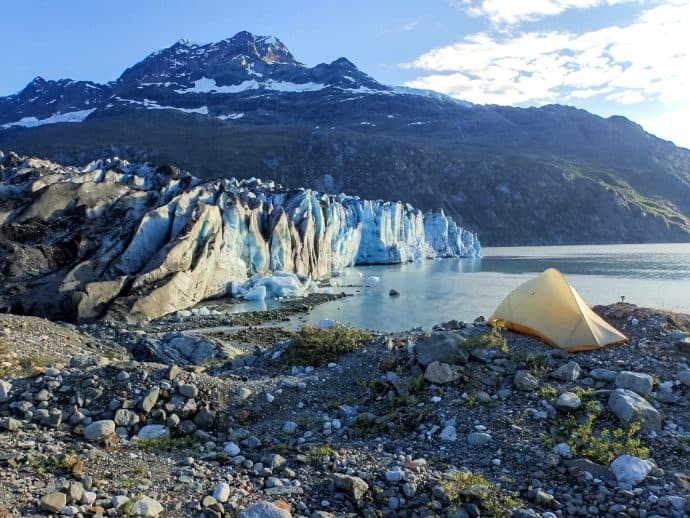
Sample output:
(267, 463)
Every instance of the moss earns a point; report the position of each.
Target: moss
(547, 392)
(468, 486)
(313, 346)
(492, 340)
(165, 443)
(318, 452)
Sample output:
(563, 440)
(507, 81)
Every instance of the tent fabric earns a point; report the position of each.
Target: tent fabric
(551, 309)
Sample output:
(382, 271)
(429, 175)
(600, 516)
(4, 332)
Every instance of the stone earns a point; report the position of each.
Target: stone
(442, 347)
(204, 418)
(563, 450)
(568, 401)
(243, 393)
(154, 431)
(99, 430)
(150, 399)
(354, 487)
(173, 372)
(635, 381)
(289, 427)
(231, 449)
(684, 377)
(54, 502)
(126, 418)
(222, 492)
(567, 372)
(603, 375)
(580, 466)
(393, 293)
(76, 491)
(448, 434)
(146, 507)
(273, 460)
(440, 373)
(5, 388)
(630, 406)
(264, 510)
(478, 438)
(10, 424)
(188, 390)
(631, 470)
(525, 380)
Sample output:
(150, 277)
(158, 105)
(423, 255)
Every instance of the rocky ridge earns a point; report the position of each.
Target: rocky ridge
(519, 429)
(137, 241)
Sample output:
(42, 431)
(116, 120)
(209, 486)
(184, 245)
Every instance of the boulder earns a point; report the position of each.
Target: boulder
(525, 380)
(635, 381)
(154, 431)
(442, 347)
(630, 406)
(99, 430)
(354, 487)
(441, 373)
(567, 372)
(264, 510)
(568, 401)
(631, 470)
(146, 507)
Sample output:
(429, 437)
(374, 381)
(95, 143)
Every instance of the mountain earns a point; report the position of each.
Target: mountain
(245, 107)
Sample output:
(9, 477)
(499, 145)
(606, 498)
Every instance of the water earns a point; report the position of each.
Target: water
(462, 289)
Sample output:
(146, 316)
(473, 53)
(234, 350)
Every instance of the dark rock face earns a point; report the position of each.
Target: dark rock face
(246, 107)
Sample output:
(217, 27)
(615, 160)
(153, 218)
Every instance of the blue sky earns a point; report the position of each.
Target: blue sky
(628, 57)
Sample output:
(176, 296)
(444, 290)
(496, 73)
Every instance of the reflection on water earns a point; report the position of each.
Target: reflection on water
(462, 289)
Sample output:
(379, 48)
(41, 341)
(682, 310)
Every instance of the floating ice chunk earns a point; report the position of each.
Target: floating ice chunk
(372, 280)
(255, 293)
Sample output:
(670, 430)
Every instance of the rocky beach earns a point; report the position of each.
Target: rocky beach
(209, 414)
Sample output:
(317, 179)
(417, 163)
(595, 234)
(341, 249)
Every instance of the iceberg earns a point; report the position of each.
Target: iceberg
(179, 240)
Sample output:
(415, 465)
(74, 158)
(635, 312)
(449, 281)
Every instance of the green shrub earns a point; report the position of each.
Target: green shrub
(313, 346)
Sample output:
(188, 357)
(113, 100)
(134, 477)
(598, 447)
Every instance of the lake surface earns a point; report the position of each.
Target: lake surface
(440, 290)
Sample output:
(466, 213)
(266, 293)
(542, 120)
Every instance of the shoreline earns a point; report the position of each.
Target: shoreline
(485, 429)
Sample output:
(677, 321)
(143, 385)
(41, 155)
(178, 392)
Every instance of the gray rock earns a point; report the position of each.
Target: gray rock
(354, 487)
(603, 374)
(147, 507)
(631, 470)
(76, 491)
(54, 502)
(289, 427)
(204, 418)
(99, 430)
(567, 372)
(264, 510)
(126, 418)
(441, 373)
(153, 431)
(5, 388)
(635, 381)
(568, 401)
(82, 361)
(150, 399)
(579, 466)
(231, 449)
(10, 424)
(243, 393)
(188, 390)
(630, 406)
(442, 347)
(222, 492)
(478, 439)
(684, 377)
(448, 434)
(525, 380)
(273, 460)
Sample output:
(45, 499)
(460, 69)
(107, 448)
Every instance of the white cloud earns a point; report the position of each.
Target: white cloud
(410, 25)
(512, 12)
(671, 124)
(647, 60)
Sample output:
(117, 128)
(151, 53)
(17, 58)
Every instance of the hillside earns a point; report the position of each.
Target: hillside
(245, 107)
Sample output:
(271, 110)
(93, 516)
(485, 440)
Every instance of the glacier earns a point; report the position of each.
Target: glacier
(154, 240)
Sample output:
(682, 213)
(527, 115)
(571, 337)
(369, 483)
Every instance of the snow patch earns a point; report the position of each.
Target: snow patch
(31, 122)
(206, 85)
(231, 116)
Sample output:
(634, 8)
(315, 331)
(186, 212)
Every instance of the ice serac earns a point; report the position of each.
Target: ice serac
(134, 241)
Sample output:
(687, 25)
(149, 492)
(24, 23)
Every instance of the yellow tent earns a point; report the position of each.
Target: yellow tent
(551, 309)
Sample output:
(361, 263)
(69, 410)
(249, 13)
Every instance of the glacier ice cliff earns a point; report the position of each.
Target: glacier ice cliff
(136, 241)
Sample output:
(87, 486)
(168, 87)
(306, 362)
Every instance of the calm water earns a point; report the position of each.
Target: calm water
(462, 289)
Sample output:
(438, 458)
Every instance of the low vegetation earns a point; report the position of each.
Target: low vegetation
(467, 486)
(165, 443)
(314, 346)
